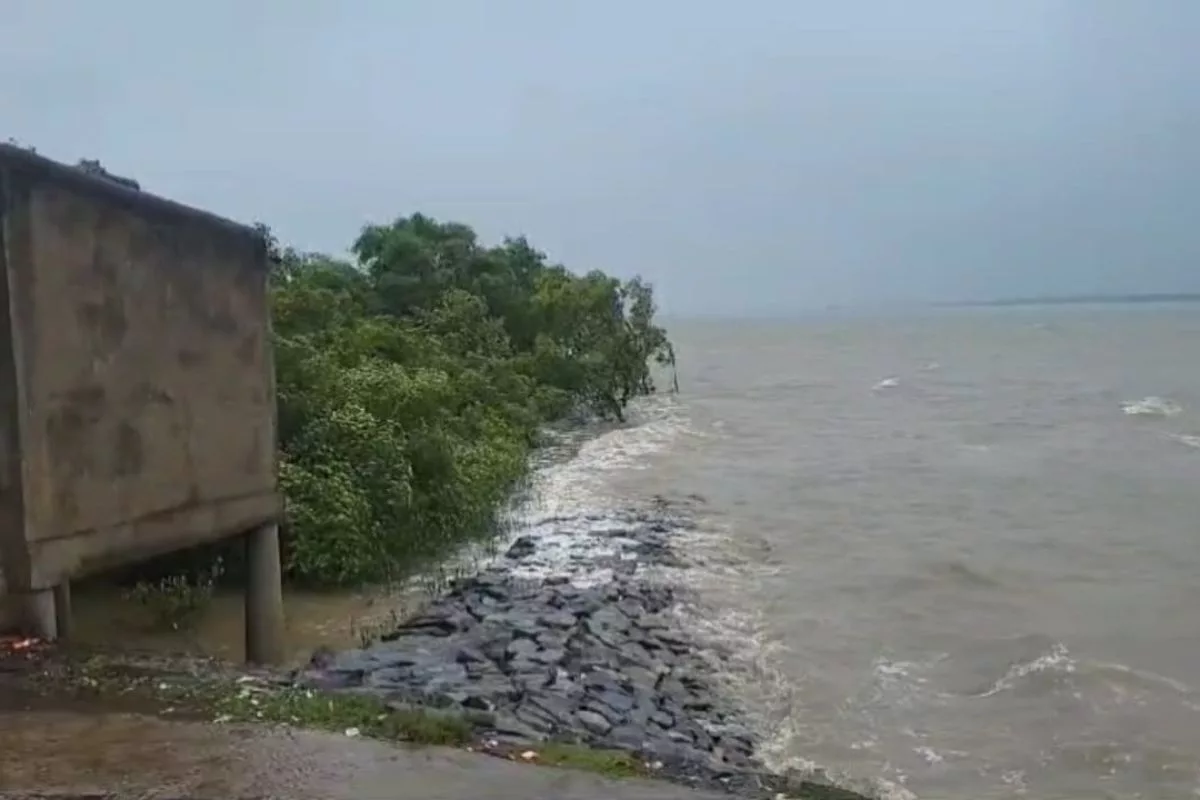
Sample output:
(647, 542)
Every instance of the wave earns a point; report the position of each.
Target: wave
(1055, 669)
(575, 514)
(947, 573)
(576, 485)
(1056, 660)
(886, 383)
(1151, 406)
(576, 508)
(1131, 677)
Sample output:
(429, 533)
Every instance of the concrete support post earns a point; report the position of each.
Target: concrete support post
(37, 615)
(62, 609)
(264, 596)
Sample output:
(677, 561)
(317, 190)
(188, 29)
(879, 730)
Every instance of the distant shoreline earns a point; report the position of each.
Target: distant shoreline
(1112, 299)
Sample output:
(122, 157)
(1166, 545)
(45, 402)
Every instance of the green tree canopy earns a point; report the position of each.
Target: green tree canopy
(413, 381)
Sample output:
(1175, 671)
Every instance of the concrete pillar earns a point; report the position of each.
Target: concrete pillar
(264, 596)
(62, 609)
(37, 614)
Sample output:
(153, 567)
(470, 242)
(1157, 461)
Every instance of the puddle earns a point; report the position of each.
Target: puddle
(104, 619)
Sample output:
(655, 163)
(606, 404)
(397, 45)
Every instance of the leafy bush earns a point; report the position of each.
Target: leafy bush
(412, 384)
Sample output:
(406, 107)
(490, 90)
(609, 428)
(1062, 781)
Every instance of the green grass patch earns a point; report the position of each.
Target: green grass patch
(610, 763)
(352, 714)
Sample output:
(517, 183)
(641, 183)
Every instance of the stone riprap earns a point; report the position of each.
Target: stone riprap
(571, 636)
(605, 663)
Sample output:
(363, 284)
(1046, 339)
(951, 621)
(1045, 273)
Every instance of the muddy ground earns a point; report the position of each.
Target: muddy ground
(81, 724)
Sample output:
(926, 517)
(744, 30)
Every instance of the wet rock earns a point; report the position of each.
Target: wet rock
(554, 639)
(557, 620)
(428, 625)
(593, 722)
(532, 683)
(521, 649)
(331, 680)
(735, 737)
(523, 547)
(536, 718)
(479, 702)
(595, 707)
(535, 659)
(322, 658)
(680, 737)
(616, 700)
(663, 719)
(468, 654)
(627, 737)
(672, 752)
(507, 726)
(516, 624)
(549, 655)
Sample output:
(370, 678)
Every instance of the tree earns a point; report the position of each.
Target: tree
(412, 384)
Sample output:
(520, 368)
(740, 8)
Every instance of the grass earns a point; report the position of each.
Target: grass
(352, 714)
(363, 715)
(228, 697)
(175, 601)
(610, 763)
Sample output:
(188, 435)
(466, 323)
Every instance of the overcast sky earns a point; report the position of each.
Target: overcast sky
(758, 156)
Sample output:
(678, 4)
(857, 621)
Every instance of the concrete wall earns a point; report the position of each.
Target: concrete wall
(137, 409)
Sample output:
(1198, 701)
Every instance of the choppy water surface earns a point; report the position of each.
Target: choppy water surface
(958, 553)
(955, 557)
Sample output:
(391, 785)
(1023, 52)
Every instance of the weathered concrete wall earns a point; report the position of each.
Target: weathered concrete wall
(135, 355)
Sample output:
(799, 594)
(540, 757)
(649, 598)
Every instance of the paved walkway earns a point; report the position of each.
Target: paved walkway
(134, 756)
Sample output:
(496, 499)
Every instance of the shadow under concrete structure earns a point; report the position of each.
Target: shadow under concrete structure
(137, 396)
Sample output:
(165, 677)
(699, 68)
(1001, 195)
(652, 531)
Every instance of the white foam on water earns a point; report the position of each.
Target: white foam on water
(1151, 406)
(890, 790)
(930, 755)
(750, 659)
(567, 509)
(886, 383)
(1016, 779)
(576, 487)
(575, 519)
(1187, 439)
(1058, 659)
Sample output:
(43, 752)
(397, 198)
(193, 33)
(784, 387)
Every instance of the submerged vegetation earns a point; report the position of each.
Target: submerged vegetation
(412, 384)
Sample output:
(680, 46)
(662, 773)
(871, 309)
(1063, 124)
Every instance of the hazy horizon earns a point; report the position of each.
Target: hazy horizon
(752, 160)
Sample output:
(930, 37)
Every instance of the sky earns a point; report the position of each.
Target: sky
(758, 157)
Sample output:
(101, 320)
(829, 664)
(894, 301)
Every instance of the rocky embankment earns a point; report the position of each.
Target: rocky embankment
(595, 656)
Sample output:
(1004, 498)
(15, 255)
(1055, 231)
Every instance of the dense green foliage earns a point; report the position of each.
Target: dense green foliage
(413, 382)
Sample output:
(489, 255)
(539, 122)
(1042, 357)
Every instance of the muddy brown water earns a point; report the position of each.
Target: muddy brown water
(106, 618)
